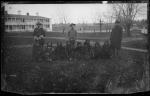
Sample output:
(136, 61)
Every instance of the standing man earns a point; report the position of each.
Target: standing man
(38, 42)
(116, 38)
(72, 34)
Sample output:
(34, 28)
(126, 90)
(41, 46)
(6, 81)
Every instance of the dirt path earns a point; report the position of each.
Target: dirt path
(135, 49)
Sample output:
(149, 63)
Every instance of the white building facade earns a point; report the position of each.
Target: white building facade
(25, 23)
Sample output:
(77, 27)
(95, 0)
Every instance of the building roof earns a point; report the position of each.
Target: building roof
(24, 16)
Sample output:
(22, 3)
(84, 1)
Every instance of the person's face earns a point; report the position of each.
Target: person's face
(39, 26)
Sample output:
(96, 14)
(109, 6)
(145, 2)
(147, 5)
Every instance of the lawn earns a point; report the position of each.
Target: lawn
(25, 38)
(28, 41)
(77, 76)
(139, 44)
(58, 34)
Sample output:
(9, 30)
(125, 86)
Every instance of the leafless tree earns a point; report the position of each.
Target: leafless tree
(63, 19)
(126, 12)
(109, 21)
(99, 19)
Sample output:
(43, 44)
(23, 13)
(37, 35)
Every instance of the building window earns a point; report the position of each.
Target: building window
(5, 19)
(8, 19)
(12, 19)
(6, 27)
(10, 27)
(47, 20)
(47, 26)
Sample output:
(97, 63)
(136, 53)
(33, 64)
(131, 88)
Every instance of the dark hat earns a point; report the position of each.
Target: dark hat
(72, 24)
(38, 23)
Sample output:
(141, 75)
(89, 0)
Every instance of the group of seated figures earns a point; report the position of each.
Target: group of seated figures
(72, 50)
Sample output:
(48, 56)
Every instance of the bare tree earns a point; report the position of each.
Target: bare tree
(109, 21)
(99, 19)
(126, 12)
(63, 18)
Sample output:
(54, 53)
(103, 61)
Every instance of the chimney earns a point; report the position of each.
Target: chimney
(27, 14)
(37, 14)
(19, 12)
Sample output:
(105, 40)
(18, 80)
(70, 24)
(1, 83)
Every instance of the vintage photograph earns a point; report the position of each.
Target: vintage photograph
(75, 48)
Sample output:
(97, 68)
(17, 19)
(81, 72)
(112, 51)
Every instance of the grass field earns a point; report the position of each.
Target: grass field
(58, 34)
(78, 76)
(101, 37)
(140, 44)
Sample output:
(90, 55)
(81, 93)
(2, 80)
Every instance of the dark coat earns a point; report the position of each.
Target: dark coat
(116, 37)
(72, 34)
(38, 32)
(38, 44)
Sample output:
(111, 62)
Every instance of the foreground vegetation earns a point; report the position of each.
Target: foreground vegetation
(124, 74)
(115, 75)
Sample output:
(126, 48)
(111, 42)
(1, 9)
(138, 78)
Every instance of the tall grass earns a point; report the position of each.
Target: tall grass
(123, 74)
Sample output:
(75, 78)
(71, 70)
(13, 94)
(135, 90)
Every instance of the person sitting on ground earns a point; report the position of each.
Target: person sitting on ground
(87, 49)
(97, 50)
(106, 50)
(78, 51)
(49, 52)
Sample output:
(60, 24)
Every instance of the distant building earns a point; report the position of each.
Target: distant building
(25, 23)
(82, 27)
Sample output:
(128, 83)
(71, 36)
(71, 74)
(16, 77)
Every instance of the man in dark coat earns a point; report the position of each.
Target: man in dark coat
(38, 42)
(116, 38)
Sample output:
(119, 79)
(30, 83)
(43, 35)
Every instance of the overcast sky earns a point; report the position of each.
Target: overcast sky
(75, 13)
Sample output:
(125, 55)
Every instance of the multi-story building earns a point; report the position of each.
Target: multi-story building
(25, 23)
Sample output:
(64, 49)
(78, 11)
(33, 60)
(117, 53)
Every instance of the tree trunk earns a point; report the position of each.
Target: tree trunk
(128, 31)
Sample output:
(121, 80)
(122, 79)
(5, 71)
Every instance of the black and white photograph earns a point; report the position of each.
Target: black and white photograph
(76, 48)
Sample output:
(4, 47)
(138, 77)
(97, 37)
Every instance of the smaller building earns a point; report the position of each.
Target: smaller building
(25, 23)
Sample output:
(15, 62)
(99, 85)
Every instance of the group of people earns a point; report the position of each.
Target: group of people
(73, 48)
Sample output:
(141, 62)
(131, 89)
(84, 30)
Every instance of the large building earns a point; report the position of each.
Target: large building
(25, 23)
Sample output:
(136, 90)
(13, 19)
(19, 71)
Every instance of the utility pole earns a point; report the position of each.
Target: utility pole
(100, 25)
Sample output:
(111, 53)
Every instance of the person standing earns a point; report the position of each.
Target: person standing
(116, 38)
(72, 34)
(38, 42)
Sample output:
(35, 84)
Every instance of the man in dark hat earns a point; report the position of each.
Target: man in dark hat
(116, 38)
(39, 34)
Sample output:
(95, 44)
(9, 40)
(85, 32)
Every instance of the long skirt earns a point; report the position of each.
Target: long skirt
(37, 52)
